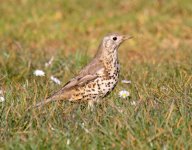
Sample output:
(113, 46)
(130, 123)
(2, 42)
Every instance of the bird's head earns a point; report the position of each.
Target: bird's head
(111, 42)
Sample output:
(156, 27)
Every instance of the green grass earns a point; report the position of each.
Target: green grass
(158, 61)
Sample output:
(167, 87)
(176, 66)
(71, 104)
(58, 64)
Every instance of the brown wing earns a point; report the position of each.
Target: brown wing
(87, 74)
(79, 81)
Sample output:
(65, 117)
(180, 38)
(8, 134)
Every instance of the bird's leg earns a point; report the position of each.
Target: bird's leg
(92, 102)
(91, 105)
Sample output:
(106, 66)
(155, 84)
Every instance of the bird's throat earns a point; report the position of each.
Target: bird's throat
(111, 62)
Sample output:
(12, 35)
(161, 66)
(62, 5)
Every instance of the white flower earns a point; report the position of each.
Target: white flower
(57, 81)
(126, 81)
(124, 94)
(68, 141)
(39, 73)
(2, 99)
(47, 64)
(133, 103)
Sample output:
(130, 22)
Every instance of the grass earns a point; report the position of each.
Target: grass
(157, 61)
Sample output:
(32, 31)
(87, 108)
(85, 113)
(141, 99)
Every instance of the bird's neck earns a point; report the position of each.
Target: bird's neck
(111, 62)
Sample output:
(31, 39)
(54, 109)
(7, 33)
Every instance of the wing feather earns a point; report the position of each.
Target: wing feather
(87, 74)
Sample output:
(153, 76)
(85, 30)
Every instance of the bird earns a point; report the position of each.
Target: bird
(97, 79)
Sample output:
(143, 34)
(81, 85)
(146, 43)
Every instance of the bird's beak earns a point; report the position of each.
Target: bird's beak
(126, 37)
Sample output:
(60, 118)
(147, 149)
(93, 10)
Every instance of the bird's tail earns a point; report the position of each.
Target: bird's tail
(44, 102)
(55, 97)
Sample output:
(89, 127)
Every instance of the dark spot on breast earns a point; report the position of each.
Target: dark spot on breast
(94, 84)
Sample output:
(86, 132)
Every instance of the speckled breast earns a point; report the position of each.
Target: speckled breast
(101, 86)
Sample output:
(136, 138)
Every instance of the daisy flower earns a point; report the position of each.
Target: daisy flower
(68, 141)
(57, 81)
(126, 81)
(39, 73)
(124, 94)
(2, 99)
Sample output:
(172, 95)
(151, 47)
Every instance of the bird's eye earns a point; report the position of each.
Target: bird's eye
(114, 38)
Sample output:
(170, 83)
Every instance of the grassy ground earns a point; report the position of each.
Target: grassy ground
(158, 61)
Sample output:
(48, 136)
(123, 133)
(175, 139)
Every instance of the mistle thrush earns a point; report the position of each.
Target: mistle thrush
(98, 78)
